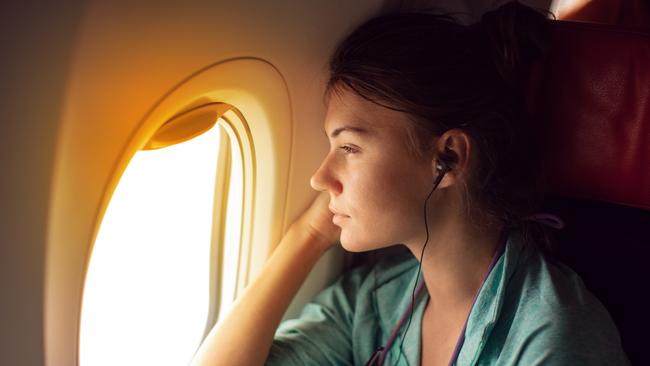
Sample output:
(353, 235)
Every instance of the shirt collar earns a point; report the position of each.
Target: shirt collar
(488, 305)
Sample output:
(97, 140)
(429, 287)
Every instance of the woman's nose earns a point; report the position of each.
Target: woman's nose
(324, 180)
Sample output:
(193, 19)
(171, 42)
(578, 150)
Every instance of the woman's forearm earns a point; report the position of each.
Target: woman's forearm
(245, 335)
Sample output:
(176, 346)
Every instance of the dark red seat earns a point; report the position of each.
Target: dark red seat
(590, 103)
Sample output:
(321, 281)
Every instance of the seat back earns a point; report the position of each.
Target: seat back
(590, 103)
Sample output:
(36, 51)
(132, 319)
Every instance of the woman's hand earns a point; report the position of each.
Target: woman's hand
(317, 221)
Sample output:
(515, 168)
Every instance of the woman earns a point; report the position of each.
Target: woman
(430, 150)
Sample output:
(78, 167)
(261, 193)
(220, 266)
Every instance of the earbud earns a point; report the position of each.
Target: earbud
(444, 163)
(442, 167)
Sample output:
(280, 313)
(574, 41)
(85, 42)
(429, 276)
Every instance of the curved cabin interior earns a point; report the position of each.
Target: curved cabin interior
(153, 154)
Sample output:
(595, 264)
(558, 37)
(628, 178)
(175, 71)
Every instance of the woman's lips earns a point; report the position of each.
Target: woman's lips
(337, 213)
(339, 217)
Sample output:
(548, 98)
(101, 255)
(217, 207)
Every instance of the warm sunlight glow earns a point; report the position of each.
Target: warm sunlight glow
(146, 294)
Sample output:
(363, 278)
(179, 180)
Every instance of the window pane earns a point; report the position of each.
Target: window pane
(146, 293)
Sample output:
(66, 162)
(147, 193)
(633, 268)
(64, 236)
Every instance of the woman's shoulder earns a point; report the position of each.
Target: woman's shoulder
(551, 313)
(546, 283)
(538, 280)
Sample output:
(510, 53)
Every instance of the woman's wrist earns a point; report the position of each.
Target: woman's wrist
(307, 236)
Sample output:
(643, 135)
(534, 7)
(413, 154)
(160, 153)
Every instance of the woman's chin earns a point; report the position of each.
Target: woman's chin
(353, 248)
(349, 244)
(356, 246)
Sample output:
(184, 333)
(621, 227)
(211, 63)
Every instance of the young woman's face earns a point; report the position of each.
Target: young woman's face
(376, 186)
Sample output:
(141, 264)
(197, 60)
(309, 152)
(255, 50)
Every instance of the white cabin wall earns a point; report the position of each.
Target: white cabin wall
(36, 42)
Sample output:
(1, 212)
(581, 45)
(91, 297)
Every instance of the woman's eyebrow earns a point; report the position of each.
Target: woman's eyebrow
(352, 129)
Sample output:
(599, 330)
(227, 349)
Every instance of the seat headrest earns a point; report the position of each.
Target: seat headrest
(590, 102)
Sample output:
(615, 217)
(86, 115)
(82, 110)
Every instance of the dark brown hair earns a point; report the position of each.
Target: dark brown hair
(445, 75)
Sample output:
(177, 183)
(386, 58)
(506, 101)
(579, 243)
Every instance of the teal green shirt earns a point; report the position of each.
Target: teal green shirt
(529, 311)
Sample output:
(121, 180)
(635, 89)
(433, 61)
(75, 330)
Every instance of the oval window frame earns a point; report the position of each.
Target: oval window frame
(259, 92)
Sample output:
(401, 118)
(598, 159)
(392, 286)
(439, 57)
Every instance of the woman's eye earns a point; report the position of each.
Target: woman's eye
(348, 149)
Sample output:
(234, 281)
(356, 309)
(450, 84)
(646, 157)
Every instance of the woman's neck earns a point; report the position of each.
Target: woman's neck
(456, 260)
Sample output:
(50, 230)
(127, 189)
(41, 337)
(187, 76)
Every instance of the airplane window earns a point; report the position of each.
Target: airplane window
(151, 280)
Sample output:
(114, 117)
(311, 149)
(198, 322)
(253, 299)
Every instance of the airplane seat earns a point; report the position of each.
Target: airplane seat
(589, 101)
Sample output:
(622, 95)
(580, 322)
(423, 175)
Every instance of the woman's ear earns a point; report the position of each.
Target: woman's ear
(452, 152)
